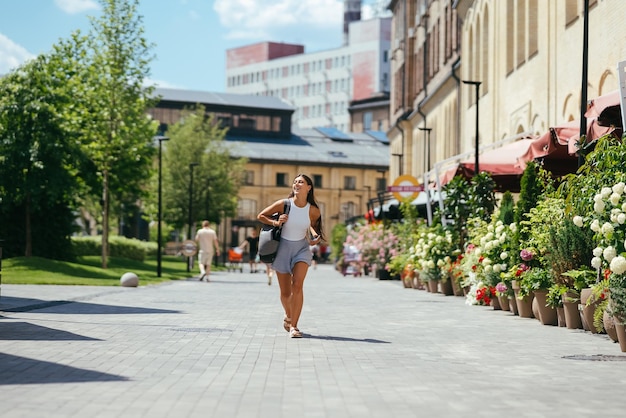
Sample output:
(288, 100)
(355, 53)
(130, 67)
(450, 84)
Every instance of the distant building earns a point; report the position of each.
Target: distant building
(319, 85)
(348, 169)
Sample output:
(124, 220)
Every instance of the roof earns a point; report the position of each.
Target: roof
(312, 146)
(222, 99)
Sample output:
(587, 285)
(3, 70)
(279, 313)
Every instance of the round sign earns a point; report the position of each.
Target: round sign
(405, 186)
(189, 248)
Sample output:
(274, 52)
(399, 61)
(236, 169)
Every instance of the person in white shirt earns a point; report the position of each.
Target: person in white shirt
(209, 246)
(294, 256)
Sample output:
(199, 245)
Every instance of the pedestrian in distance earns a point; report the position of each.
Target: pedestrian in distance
(252, 242)
(294, 256)
(209, 247)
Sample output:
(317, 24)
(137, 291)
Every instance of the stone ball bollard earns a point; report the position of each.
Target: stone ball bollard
(129, 280)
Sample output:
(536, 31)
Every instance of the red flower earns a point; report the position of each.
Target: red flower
(607, 273)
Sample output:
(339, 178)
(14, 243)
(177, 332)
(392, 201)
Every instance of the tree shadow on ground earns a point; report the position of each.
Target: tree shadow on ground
(24, 331)
(346, 339)
(15, 370)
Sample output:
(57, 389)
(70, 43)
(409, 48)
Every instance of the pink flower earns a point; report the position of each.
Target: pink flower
(526, 255)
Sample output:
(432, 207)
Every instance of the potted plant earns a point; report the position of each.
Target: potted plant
(554, 299)
(537, 281)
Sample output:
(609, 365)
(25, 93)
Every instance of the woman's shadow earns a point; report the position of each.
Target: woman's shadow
(347, 339)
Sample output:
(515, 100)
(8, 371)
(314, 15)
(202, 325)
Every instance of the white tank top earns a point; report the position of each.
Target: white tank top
(298, 223)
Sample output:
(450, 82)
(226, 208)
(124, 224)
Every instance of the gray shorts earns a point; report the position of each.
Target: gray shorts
(289, 253)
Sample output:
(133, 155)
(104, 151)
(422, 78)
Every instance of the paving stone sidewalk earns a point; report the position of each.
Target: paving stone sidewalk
(371, 349)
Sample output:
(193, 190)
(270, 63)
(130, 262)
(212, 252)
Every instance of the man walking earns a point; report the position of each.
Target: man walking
(209, 246)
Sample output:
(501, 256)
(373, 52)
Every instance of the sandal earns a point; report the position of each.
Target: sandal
(287, 324)
(295, 333)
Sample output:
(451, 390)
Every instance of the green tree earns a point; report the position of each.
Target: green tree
(507, 208)
(40, 161)
(197, 138)
(482, 198)
(117, 136)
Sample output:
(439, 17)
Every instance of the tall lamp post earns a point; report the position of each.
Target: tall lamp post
(160, 139)
(191, 166)
(476, 84)
(583, 89)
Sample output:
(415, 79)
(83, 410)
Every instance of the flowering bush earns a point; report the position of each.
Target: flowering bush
(375, 243)
(488, 254)
(434, 252)
(608, 222)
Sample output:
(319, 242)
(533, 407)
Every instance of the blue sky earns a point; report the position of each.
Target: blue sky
(190, 36)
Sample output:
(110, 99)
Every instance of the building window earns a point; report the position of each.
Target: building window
(247, 209)
(349, 183)
(317, 181)
(381, 184)
(281, 179)
(248, 178)
(367, 120)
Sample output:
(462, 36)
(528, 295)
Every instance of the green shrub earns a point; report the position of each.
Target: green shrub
(122, 247)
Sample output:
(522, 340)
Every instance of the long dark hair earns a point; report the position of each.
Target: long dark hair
(310, 198)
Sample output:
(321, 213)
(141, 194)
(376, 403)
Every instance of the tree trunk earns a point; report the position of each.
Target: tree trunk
(105, 218)
(28, 250)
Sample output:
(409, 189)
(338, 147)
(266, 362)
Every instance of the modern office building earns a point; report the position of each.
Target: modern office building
(319, 85)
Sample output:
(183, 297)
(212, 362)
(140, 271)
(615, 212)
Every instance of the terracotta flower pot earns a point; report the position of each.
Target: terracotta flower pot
(621, 334)
(445, 286)
(504, 303)
(433, 285)
(547, 314)
(513, 305)
(525, 304)
(588, 311)
(609, 326)
(560, 316)
(570, 307)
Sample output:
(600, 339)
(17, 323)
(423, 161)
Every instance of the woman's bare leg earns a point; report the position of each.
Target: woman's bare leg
(297, 295)
(284, 282)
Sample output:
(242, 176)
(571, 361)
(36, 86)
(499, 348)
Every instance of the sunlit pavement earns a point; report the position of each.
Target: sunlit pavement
(370, 349)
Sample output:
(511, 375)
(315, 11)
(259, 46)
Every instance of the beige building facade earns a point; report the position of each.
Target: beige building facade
(527, 56)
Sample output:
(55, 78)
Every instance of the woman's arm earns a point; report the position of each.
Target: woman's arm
(265, 216)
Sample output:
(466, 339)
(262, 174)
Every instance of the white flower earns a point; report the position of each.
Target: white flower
(503, 266)
(598, 206)
(618, 265)
(496, 268)
(606, 192)
(621, 218)
(488, 269)
(578, 221)
(623, 207)
(607, 228)
(597, 252)
(609, 253)
(504, 255)
(513, 227)
(597, 198)
(595, 225)
(614, 199)
(596, 262)
(618, 188)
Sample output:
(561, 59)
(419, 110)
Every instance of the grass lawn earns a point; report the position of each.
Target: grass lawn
(88, 271)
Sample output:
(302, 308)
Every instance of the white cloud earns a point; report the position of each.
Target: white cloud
(77, 6)
(12, 55)
(285, 20)
(160, 83)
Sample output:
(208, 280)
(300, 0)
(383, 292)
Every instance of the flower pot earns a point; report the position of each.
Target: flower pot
(513, 305)
(525, 304)
(570, 306)
(417, 283)
(547, 314)
(495, 304)
(432, 285)
(504, 303)
(621, 334)
(609, 326)
(456, 287)
(588, 311)
(560, 316)
(445, 286)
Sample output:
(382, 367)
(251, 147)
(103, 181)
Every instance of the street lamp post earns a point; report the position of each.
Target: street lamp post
(583, 89)
(427, 139)
(191, 166)
(476, 84)
(160, 139)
